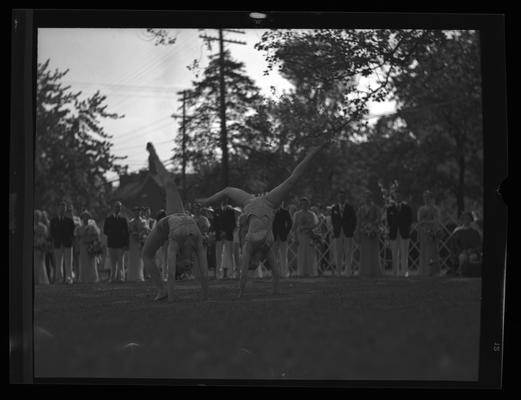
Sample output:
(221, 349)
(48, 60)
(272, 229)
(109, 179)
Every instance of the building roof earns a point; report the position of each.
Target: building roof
(133, 186)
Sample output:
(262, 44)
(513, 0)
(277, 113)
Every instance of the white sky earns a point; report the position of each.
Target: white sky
(140, 79)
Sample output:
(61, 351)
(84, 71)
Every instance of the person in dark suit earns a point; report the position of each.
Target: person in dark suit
(75, 244)
(62, 233)
(208, 212)
(228, 224)
(216, 226)
(116, 229)
(399, 222)
(343, 220)
(282, 224)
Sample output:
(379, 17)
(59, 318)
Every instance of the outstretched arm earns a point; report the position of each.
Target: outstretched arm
(277, 195)
(238, 196)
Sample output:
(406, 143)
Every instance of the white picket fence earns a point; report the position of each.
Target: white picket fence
(326, 259)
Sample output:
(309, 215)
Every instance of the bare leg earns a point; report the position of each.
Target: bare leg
(174, 203)
(153, 242)
(160, 175)
(275, 271)
(218, 259)
(238, 196)
(395, 256)
(58, 262)
(163, 251)
(172, 253)
(245, 263)
(277, 195)
(236, 257)
(113, 264)
(121, 265)
(349, 256)
(404, 256)
(201, 264)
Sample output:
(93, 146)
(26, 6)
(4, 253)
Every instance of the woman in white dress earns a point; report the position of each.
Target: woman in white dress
(41, 234)
(138, 228)
(104, 264)
(429, 230)
(368, 230)
(88, 235)
(305, 221)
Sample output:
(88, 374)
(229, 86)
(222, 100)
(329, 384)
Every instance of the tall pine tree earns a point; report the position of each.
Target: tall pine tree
(245, 119)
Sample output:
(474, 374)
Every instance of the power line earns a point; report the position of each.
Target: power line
(153, 68)
(129, 75)
(127, 95)
(141, 134)
(130, 145)
(169, 54)
(147, 53)
(235, 31)
(137, 146)
(144, 128)
(124, 86)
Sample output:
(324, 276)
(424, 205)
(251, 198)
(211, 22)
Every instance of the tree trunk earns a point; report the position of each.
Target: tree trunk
(282, 142)
(461, 185)
(224, 135)
(460, 192)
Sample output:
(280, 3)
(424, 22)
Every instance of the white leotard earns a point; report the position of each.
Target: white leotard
(259, 228)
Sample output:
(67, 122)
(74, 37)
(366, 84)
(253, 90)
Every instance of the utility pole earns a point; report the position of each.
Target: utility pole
(222, 88)
(183, 140)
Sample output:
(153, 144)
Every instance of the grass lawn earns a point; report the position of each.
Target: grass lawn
(317, 328)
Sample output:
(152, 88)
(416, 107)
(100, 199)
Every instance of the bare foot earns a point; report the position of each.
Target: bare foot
(161, 295)
(150, 148)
